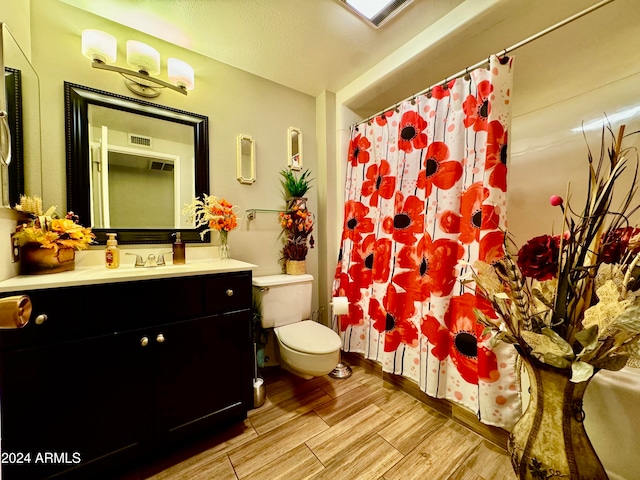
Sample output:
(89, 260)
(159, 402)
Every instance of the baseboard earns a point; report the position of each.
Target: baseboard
(458, 413)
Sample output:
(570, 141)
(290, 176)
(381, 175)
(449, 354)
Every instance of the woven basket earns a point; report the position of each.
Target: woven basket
(296, 267)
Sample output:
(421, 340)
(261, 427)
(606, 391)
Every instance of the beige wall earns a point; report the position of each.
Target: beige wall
(235, 101)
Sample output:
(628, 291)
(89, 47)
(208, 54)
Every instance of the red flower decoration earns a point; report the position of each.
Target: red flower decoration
(441, 91)
(496, 161)
(492, 246)
(379, 183)
(371, 261)
(431, 267)
(382, 119)
(411, 136)
(353, 293)
(393, 318)
(358, 150)
(407, 221)
(459, 337)
(477, 108)
(538, 258)
(437, 170)
(616, 243)
(356, 222)
(556, 201)
(474, 217)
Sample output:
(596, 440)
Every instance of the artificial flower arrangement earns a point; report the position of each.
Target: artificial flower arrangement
(297, 225)
(212, 213)
(572, 301)
(49, 230)
(297, 222)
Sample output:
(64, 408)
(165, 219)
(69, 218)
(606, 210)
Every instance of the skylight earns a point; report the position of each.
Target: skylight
(376, 12)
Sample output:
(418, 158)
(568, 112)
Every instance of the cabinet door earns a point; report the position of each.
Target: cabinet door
(203, 372)
(69, 404)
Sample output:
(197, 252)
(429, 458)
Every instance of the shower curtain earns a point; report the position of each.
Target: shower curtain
(425, 197)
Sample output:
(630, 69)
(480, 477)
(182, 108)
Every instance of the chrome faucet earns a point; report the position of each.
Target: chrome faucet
(151, 261)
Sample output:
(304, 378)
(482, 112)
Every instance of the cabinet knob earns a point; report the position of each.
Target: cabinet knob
(229, 293)
(160, 338)
(40, 319)
(144, 341)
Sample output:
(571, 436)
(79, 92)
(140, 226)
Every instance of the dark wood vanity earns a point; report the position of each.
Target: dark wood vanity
(108, 372)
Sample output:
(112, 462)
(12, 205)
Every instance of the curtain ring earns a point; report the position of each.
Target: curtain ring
(467, 77)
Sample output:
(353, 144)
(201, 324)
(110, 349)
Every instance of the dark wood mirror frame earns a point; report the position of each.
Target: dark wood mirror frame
(13, 86)
(77, 101)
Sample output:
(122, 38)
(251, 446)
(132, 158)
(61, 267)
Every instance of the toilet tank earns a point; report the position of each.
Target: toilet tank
(283, 299)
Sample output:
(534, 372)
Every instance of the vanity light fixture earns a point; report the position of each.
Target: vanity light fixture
(101, 48)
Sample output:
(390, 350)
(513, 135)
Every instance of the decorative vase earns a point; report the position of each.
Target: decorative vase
(296, 267)
(35, 260)
(299, 202)
(223, 249)
(549, 440)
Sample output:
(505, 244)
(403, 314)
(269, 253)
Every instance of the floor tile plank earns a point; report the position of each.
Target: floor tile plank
(366, 460)
(269, 417)
(436, 457)
(251, 456)
(345, 435)
(349, 403)
(412, 428)
(297, 464)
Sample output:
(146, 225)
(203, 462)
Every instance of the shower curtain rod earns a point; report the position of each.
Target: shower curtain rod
(542, 33)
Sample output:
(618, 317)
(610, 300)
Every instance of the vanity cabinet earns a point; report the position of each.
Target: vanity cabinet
(103, 374)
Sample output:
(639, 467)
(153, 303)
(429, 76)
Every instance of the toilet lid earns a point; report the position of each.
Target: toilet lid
(309, 337)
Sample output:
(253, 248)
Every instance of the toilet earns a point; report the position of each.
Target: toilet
(305, 347)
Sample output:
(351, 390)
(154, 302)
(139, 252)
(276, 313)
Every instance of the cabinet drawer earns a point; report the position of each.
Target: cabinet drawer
(129, 305)
(227, 293)
(55, 316)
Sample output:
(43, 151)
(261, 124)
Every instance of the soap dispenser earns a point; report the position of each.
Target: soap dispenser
(178, 250)
(112, 252)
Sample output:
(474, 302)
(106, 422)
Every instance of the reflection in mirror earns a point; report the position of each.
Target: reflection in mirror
(295, 148)
(246, 160)
(136, 162)
(22, 90)
(133, 165)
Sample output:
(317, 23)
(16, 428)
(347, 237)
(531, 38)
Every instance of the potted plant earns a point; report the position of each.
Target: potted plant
(569, 303)
(297, 222)
(47, 242)
(295, 187)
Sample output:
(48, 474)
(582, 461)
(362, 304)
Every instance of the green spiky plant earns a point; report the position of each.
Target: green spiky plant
(293, 186)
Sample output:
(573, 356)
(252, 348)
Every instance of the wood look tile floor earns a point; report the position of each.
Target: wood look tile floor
(350, 429)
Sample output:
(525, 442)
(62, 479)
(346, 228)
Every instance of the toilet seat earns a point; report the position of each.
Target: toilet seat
(308, 336)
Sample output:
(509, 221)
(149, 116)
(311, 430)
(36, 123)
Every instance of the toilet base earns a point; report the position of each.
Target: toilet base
(342, 370)
(289, 369)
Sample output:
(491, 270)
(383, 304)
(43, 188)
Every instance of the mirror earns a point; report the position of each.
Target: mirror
(15, 172)
(22, 95)
(246, 160)
(295, 148)
(133, 165)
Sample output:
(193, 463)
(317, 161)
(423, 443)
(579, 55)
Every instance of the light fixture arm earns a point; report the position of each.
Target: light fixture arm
(140, 87)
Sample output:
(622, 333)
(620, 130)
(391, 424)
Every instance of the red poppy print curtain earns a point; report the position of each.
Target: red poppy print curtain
(425, 197)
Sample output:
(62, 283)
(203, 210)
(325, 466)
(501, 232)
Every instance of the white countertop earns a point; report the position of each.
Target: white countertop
(97, 274)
